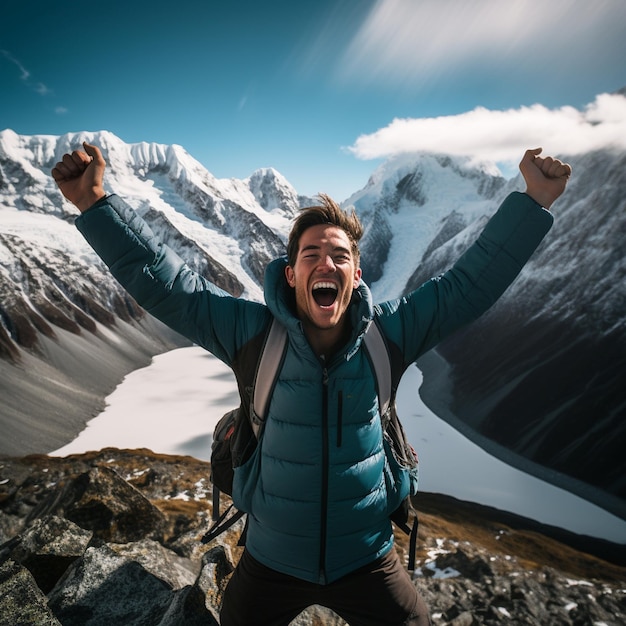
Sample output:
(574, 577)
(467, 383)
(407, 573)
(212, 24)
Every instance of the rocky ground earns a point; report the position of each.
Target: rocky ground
(112, 537)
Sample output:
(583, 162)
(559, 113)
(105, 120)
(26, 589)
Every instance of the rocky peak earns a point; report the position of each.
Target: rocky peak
(114, 537)
(271, 190)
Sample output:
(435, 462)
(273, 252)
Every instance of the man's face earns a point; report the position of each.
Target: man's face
(323, 277)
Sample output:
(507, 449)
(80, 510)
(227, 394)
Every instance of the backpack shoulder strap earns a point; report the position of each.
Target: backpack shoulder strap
(379, 356)
(270, 361)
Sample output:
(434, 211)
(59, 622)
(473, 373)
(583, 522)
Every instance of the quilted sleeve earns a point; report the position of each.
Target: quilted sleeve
(160, 281)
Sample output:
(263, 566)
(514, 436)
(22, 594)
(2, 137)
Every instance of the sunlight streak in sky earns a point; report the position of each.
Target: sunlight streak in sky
(403, 41)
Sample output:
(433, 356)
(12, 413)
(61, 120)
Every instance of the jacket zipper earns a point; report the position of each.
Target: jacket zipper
(340, 419)
(324, 503)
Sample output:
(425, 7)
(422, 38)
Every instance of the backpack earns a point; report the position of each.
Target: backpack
(236, 434)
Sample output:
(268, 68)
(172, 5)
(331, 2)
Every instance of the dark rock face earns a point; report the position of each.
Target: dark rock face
(107, 587)
(48, 547)
(103, 502)
(22, 603)
(114, 537)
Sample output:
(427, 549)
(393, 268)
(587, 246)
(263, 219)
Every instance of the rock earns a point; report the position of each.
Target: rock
(71, 524)
(104, 587)
(21, 602)
(464, 619)
(9, 526)
(176, 571)
(473, 568)
(217, 566)
(102, 501)
(318, 615)
(188, 608)
(48, 548)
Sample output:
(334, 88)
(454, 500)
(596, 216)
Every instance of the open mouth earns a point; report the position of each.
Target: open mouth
(324, 293)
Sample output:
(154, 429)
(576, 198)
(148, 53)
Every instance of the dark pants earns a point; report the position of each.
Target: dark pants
(380, 594)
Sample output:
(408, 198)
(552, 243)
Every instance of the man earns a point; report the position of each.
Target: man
(319, 487)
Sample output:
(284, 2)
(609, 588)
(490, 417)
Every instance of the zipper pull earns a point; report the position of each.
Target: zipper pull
(324, 370)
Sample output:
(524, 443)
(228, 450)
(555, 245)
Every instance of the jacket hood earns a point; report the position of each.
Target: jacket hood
(280, 299)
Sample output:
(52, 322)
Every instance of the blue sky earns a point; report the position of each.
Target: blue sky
(322, 91)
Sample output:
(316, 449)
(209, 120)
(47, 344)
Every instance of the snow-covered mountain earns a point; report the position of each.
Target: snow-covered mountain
(541, 374)
(413, 204)
(68, 332)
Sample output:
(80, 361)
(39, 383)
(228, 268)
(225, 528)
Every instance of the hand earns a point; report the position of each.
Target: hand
(79, 176)
(545, 177)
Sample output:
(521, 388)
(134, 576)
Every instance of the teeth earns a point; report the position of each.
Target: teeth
(322, 285)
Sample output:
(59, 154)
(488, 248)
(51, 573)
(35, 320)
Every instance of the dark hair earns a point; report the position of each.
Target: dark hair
(327, 212)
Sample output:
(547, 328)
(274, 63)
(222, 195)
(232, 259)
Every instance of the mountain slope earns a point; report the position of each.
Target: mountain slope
(542, 373)
(68, 332)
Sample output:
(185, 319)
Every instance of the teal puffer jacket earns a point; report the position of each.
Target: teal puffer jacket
(319, 488)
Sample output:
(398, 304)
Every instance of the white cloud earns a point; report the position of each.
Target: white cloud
(502, 136)
(41, 89)
(411, 42)
(25, 76)
(24, 73)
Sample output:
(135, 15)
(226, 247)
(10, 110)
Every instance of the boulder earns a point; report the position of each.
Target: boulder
(22, 603)
(101, 501)
(48, 547)
(104, 587)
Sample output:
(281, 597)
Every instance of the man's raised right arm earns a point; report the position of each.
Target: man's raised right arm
(151, 272)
